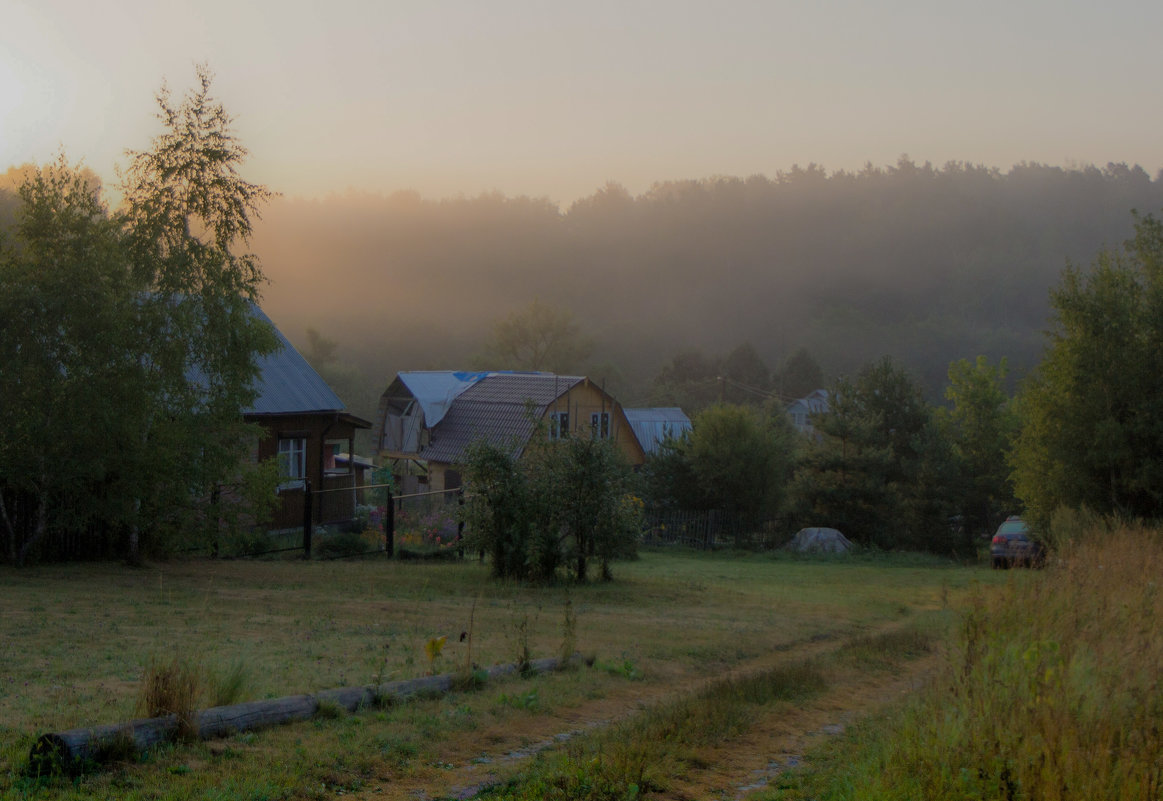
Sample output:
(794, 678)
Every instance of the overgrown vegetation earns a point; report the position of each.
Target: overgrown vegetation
(563, 505)
(1091, 431)
(1051, 691)
(124, 433)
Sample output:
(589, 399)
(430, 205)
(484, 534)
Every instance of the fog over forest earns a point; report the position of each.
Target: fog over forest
(926, 265)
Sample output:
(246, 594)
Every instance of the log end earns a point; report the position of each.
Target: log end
(50, 756)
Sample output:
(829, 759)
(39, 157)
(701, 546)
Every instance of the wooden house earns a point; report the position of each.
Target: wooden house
(306, 427)
(427, 420)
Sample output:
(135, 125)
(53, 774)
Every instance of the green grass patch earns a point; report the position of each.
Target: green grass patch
(78, 638)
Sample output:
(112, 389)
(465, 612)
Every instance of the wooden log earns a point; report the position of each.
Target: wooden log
(72, 750)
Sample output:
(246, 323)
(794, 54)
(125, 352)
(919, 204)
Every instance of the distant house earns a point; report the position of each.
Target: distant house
(653, 426)
(427, 420)
(306, 427)
(801, 410)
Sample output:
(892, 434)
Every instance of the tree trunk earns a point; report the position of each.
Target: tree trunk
(76, 749)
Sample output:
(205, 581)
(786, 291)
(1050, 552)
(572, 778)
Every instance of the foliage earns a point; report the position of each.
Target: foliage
(538, 337)
(742, 460)
(567, 502)
(800, 375)
(124, 408)
(879, 469)
(980, 425)
(174, 687)
(935, 263)
(1091, 433)
(590, 510)
(500, 511)
(1041, 696)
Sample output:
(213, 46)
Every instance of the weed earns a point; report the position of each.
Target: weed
(433, 649)
(173, 687)
(625, 668)
(228, 686)
(568, 634)
(329, 710)
(524, 659)
(528, 701)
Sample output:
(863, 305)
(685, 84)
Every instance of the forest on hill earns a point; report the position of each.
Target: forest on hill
(924, 264)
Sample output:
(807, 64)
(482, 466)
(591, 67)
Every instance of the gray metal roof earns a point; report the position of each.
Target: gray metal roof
(653, 425)
(287, 384)
(814, 402)
(435, 390)
(500, 408)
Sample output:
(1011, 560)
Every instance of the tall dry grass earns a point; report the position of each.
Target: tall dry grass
(1051, 691)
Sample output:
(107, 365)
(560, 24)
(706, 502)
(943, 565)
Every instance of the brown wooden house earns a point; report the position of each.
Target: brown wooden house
(427, 420)
(306, 426)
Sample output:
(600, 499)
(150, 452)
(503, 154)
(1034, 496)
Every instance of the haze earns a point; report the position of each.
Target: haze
(552, 100)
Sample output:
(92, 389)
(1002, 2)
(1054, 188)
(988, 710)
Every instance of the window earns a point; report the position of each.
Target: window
(292, 461)
(600, 425)
(333, 464)
(558, 425)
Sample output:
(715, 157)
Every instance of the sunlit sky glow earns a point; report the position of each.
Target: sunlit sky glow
(553, 99)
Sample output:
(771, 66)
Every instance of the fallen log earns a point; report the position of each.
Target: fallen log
(72, 750)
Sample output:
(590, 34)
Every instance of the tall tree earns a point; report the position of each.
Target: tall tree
(70, 383)
(880, 466)
(125, 406)
(742, 459)
(188, 218)
(799, 376)
(538, 337)
(1091, 432)
(980, 425)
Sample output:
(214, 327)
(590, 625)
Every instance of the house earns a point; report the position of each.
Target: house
(653, 426)
(427, 420)
(305, 427)
(801, 410)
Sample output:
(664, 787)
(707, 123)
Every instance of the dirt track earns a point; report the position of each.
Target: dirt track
(775, 742)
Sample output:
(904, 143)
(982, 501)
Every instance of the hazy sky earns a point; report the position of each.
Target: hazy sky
(553, 99)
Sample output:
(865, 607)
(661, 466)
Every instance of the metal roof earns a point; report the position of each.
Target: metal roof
(653, 425)
(435, 390)
(500, 408)
(287, 384)
(815, 402)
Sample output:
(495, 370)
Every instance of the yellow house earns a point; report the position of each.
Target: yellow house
(429, 419)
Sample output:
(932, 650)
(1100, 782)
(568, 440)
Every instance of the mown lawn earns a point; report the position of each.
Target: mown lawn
(78, 637)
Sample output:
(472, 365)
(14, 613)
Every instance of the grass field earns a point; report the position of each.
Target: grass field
(1051, 690)
(78, 637)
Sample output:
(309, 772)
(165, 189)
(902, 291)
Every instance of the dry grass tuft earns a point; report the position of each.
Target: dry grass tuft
(173, 687)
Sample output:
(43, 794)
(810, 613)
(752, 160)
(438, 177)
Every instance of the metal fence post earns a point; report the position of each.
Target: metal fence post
(390, 523)
(308, 519)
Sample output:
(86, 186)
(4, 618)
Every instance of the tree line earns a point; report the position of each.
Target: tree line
(1081, 436)
(930, 264)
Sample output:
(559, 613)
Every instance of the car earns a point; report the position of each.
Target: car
(1012, 545)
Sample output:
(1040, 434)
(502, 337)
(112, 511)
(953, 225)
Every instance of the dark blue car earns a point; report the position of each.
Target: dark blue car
(1012, 546)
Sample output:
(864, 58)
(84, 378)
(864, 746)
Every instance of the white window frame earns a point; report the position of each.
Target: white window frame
(292, 456)
(600, 425)
(558, 425)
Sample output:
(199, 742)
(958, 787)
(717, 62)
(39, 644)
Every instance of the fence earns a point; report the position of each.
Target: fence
(430, 516)
(703, 529)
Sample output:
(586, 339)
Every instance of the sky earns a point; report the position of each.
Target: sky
(551, 99)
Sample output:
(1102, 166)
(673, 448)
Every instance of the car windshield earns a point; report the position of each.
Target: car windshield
(1012, 527)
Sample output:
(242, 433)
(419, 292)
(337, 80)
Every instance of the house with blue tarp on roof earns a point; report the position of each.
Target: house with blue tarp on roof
(306, 426)
(427, 419)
